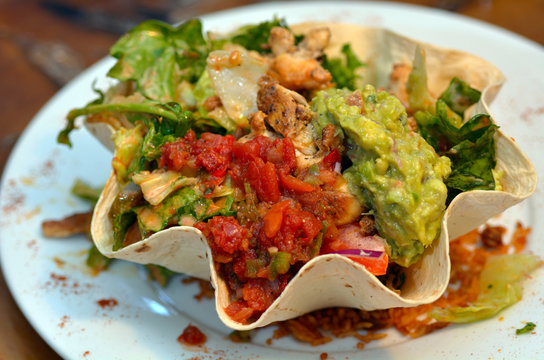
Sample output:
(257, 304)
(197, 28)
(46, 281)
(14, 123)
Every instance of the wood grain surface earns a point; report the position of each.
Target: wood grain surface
(25, 86)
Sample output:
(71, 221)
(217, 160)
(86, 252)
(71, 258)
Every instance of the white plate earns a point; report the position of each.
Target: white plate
(146, 322)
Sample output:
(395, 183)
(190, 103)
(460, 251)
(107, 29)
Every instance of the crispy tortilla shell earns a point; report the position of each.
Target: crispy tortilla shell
(334, 280)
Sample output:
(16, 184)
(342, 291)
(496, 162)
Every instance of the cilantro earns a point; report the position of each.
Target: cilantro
(459, 96)
(343, 72)
(526, 329)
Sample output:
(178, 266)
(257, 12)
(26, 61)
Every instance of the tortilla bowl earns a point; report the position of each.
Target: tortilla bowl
(334, 280)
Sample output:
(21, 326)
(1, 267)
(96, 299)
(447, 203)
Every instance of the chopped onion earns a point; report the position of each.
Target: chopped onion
(360, 252)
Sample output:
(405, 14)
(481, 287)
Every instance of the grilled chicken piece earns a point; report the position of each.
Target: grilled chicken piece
(315, 41)
(330, 139)
(295, 67)
(281, 41)
(298, 73)
(336, 203)
(288, 114)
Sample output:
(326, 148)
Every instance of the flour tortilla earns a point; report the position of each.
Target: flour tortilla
(334, 280)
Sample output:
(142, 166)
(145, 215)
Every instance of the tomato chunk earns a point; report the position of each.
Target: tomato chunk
(274, 217)
(262, 177)
(376, 266)
(239, 311)
(289, 182)
(330, 160)
(350, 237)
(228, 235)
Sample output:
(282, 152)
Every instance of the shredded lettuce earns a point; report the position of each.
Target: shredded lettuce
(85, 191)
(416, 87)
(158, 184)
(127, 142)
(155, 218)
(157, 56)
(344, 72)
(500, 287)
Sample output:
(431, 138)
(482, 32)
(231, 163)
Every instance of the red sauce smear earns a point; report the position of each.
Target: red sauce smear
(57, 277)
(107, 303)
(192, 336)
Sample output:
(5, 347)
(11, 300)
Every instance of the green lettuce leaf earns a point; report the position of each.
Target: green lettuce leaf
(500, 287)
(157, 56)
(344, 72)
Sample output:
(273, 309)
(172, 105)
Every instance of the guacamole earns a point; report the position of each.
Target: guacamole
(395, 171)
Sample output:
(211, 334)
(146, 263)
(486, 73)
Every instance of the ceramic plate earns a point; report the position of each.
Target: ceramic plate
(60, 298)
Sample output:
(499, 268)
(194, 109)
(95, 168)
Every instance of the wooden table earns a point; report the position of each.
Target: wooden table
(28, 25)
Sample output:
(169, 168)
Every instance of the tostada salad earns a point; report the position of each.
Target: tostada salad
(300, 167)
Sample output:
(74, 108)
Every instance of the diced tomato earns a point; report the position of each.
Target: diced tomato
(291, 183)
(228, 235)
(282, 153)
(239, 311)
(258, 294)
(174, 155)
(246, 151)
(376, 266)
(296, 221)
(274, 217)
(330, 160)
(264, 145)
(262, 177)
(311, 227)
(213, 153)
(289, 156)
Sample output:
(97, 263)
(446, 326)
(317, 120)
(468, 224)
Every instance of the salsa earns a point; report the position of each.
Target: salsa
(192, 336)
(263, 214)
(275, 230)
